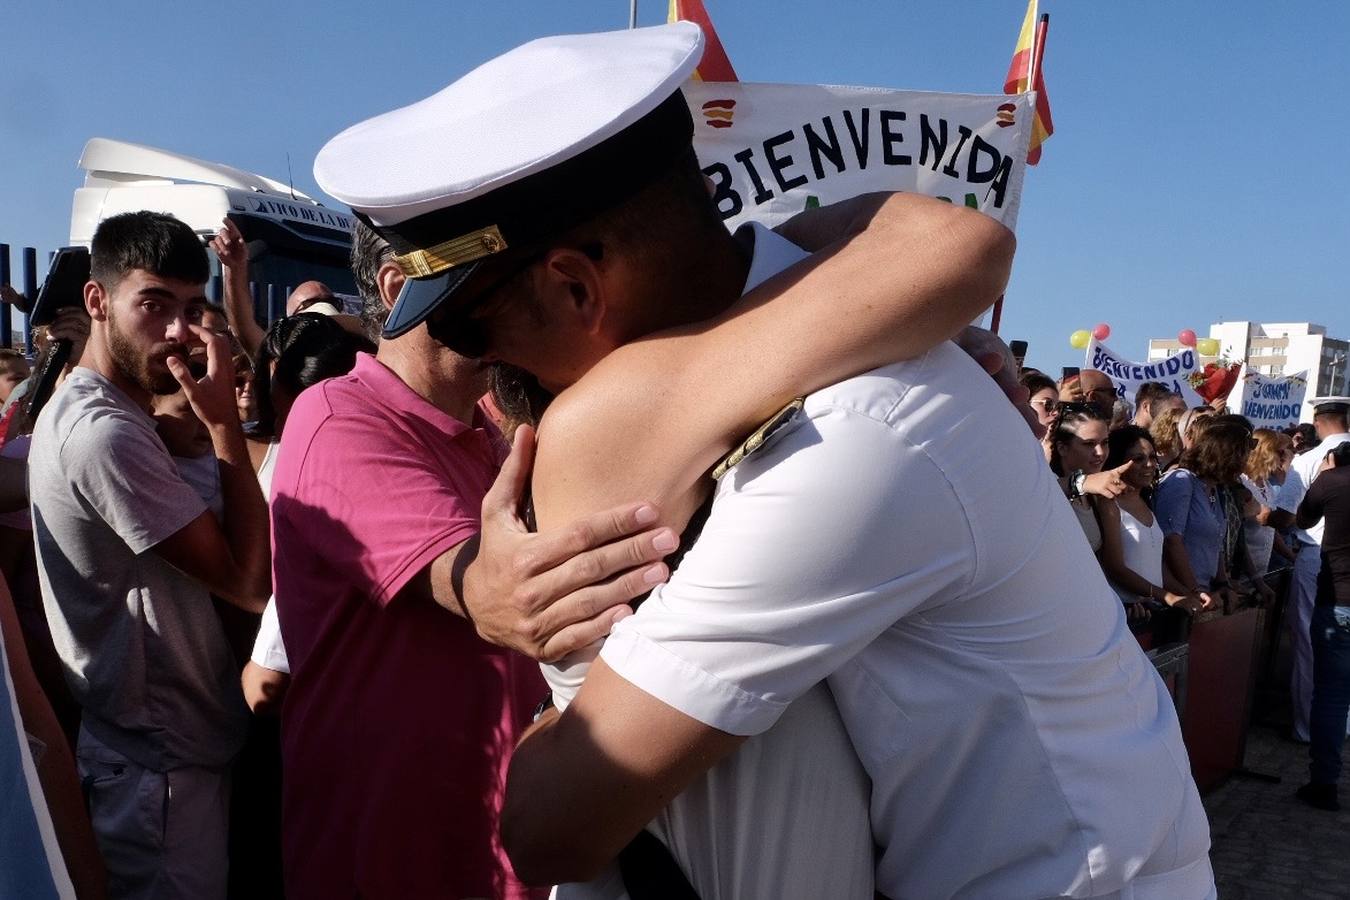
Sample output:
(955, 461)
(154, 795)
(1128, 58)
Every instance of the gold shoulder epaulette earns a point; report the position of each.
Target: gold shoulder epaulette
(756, 440)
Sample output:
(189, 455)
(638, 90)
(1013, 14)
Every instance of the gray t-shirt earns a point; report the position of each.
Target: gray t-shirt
(142, 648)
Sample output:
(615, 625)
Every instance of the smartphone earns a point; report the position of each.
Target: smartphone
(1069, 372)
(1019, 352)
(64, 285)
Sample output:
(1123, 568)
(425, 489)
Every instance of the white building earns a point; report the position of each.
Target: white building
(1279, 348)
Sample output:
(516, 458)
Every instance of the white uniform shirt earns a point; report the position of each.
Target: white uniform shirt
(907, 542)
(1302, 473)
(799, 781)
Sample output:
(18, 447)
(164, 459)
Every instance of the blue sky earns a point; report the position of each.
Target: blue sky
(1198, 171)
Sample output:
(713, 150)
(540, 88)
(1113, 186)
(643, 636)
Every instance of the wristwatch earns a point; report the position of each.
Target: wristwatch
(1076, 483)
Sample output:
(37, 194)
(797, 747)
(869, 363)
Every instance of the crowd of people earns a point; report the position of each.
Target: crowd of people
(440, 599)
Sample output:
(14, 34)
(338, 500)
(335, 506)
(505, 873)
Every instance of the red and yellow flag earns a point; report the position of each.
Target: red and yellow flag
(1029, 56)
(715, 65)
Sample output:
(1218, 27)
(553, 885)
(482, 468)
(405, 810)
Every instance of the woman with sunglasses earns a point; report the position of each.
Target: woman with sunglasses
(1043, 393)
(1132, 541)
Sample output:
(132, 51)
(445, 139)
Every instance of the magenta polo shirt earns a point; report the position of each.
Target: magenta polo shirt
(399, 720)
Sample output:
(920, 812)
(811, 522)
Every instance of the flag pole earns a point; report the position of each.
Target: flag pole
(1037, 37)
(632, 13)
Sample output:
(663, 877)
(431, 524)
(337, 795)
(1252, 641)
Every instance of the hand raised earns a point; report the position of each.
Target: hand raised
(1109, 484)
(212, 396)
(230, 246)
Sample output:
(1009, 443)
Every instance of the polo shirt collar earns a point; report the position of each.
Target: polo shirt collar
(397, 396)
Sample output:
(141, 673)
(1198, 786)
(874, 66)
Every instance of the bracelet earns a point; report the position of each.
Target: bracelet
(544, 706)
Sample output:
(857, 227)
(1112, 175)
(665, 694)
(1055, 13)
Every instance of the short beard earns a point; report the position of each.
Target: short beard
(135, 367)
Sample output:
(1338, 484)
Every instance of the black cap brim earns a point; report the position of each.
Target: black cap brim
(420, 297)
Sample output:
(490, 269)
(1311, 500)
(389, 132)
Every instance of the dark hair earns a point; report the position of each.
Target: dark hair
(307, 347)
(369, 252)
(1341, 454)
(1306, 430)
(1035, 382)
(1219, 453)
(1069, 416)
(1121, 441)
(155, 242)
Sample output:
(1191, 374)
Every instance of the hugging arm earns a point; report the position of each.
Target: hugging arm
(895, 275)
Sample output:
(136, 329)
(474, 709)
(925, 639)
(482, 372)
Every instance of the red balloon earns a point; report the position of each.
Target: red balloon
(1186, 337)
(1102, 331)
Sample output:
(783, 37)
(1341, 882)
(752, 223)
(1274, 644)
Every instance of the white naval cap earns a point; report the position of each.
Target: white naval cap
(523, 147)
(1333, 405)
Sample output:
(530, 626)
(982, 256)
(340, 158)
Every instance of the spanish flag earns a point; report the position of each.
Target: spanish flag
(1031, 45)
(715, 65)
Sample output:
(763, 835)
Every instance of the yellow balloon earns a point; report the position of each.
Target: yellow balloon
(1207, 347)
(1079, 339)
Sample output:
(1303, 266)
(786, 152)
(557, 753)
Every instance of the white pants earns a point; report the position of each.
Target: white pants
(1302, 597)
(162, 834)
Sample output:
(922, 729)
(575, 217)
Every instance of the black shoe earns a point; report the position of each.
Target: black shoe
(1321, 796)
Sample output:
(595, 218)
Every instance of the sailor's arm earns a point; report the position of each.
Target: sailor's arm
(653, 417)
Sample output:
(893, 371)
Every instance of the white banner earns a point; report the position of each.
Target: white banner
(1270, 401)
(1175, 371)
(772, 150)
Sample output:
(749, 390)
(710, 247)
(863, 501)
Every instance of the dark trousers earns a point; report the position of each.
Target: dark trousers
(1331, 691)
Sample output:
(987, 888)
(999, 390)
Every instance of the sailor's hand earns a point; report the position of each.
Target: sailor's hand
(549, 594)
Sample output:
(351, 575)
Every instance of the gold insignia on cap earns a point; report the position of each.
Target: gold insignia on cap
(455, 252)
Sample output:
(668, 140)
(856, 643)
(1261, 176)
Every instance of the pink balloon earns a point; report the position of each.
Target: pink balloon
(1102, 331)
(1186, 337)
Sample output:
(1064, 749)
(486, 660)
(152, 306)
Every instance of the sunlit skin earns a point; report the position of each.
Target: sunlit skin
(12, 373)
(145, 319)
(1086, 449)
(306, 295)
(1098, 390)
(244, 397)
(1045, 402)
(1144, 472)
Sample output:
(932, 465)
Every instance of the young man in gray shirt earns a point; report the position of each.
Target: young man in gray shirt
(128, 556)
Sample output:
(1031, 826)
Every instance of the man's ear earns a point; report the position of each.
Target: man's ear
(572, 284)
(96, 301)
(390, 278)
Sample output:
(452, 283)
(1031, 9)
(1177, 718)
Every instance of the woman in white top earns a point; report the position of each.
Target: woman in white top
(1132, 543)
(1266, 467)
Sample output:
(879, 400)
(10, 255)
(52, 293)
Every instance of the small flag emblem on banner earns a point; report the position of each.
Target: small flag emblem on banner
(718, 113)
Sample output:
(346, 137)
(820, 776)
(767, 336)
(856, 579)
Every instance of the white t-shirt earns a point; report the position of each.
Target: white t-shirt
(906, 541)
(1260, 538)
(799, 781)
(268, 649)
(1301, 475)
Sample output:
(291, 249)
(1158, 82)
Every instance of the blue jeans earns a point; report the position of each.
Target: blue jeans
(1331, 691)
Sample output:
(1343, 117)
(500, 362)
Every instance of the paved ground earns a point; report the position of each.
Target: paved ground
(1268, 844)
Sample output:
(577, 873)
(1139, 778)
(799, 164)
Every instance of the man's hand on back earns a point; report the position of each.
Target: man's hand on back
(547, 595)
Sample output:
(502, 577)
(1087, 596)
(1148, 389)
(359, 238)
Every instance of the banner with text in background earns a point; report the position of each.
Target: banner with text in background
(772, 150)
(1175, 371)
(1270, 401)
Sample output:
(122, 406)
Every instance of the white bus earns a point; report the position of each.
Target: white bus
(292, 238)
